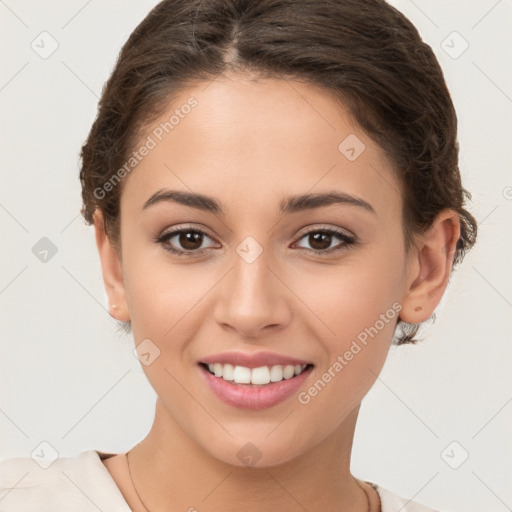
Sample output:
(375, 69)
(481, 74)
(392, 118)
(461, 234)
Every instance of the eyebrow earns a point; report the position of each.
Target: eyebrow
(291, 204)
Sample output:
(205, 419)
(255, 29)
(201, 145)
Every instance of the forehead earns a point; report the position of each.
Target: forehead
(244, 140)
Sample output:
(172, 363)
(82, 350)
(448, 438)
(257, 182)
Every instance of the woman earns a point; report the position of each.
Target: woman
(275, 193)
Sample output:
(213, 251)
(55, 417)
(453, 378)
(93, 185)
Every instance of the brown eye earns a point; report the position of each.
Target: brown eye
(190, 240)
(184, 242)
(320, 240)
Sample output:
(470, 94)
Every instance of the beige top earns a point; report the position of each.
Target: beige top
(83, 484)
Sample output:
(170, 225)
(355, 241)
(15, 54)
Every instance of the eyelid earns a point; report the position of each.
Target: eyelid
(166, 235)
(347, 239)
(185, 227)
(325, 227)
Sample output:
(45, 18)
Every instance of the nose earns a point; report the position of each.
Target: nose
(252, 299)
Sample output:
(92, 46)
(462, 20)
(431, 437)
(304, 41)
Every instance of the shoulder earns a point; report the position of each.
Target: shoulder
(81, 483)
(392, 502)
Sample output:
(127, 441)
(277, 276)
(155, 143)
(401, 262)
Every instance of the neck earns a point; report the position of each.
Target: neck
(171, 472)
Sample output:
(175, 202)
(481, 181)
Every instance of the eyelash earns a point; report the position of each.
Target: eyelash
(346, 239)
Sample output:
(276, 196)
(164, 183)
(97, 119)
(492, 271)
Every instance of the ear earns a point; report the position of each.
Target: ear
(430, 266)
(112, 271)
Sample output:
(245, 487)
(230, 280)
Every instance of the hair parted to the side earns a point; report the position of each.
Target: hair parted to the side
(366, 53)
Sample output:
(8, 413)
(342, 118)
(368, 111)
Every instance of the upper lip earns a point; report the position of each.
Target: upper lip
(252, 360)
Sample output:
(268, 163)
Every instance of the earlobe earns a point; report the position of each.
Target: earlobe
(112, 271)
(430, 267)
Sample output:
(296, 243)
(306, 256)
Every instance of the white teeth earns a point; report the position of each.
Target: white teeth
(242, 375)
(288, 371)
(227, 371)
(276, 373)
(217, 369)
(259, 376)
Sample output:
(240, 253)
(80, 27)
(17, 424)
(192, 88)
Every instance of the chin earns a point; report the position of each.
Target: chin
(258, 451)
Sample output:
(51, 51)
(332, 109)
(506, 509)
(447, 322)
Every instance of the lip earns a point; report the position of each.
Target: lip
(245, 396)
(252, 360)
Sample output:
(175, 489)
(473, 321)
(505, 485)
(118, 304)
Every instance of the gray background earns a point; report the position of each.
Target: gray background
(68, 374)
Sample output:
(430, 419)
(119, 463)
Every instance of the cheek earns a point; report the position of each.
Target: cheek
(350, 297)
(337, 302)
(358, 312)
(162, 294)
(357, 308)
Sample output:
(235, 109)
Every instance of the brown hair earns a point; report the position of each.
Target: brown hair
(365, 52)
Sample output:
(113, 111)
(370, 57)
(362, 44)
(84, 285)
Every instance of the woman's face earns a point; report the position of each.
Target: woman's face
(262, 278)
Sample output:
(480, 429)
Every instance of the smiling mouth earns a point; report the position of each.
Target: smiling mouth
(260, 376)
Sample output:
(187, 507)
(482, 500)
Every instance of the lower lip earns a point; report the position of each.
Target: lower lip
(244, 396)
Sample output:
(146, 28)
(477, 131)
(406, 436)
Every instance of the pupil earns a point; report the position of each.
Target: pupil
(321, 240)
(188, 240)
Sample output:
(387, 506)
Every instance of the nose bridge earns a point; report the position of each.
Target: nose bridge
(250, 283)
(251, 296)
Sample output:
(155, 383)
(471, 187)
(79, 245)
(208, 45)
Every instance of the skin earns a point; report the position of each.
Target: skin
(251, 143)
